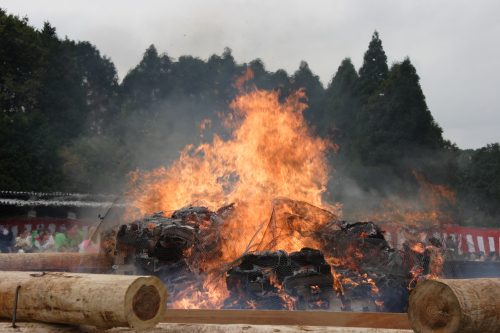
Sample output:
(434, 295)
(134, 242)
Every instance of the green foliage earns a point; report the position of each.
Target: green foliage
(67, 123)
(51, 91)
(20, 61)
(466, 156)
(340, 115)
(396, 123)
(374, 70)
(480, 189)
(305, 78)
(147, 82)
(29, 154)
(384, 130)
(101, 89)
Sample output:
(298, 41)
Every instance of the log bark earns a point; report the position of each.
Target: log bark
(100, 300)
(446, 306)
(51, 261)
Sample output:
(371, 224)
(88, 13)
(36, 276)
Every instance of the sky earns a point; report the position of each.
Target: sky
(454, 45)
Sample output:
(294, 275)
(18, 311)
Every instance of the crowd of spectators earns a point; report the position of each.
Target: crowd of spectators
(42, 240)
(452, 252)
(480, 256)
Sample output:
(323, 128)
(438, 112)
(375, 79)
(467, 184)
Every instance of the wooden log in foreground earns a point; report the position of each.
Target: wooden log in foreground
(51, 261)
(24, 327)
(446, 306)
(99, 300)
(302, 318)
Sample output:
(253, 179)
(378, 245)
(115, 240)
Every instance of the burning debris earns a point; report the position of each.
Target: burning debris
(340, 266)
(277, 281)
(155, 243)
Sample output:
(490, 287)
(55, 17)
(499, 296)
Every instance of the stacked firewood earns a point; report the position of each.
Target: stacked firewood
(365, 274)
(277, 280)
(155, 243)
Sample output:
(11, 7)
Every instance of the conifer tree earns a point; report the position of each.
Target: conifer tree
(305, 78)
(148, 82)
(340, 105)
(395, 128)
(374, 69)
(479, 192)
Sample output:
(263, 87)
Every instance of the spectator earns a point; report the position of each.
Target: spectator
(451, 249)
(480, 256)
(42, 239)
(451, 245)
(74, 237)
(6, 238)
(61, 240)
(35, 233)
(26, 234)
(88, 245)
(471, 256)
(79, 234)
(49, 245)
(492, 256)
(23, 242)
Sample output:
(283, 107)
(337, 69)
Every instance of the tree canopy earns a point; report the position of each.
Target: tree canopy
(68, 124)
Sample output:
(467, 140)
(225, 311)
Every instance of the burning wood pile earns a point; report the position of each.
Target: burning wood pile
(339, 266)
(263, 251)
(155, 243)
(278, 281)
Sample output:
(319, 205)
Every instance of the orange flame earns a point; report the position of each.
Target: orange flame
(436, 203)
(271, 153)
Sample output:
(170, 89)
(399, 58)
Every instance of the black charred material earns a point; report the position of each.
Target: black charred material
(369, 269)
(266, 280)
(351, 236)
(389, 290)
(255, 273)
(155, 243)
(361, 246)
(199, 215)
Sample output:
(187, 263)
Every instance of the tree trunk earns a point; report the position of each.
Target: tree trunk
(445, 306)
(100, 300)
(52, 261)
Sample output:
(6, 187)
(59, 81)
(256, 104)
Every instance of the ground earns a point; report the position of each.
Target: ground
(25, 327)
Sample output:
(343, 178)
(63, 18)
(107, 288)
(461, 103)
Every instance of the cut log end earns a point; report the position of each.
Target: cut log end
(435, 310)
(145, 303)
(452, 306)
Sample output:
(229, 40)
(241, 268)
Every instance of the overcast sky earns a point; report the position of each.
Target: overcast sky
(453, 44)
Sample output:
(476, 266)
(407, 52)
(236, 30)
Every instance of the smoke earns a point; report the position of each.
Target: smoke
(142, 139)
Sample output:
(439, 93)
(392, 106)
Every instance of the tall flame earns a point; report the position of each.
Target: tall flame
(271, 153)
